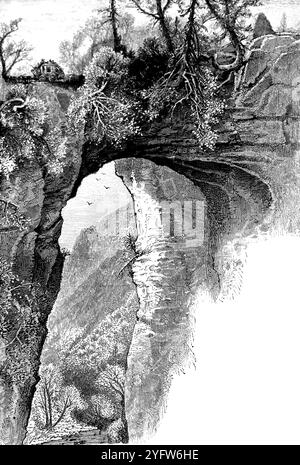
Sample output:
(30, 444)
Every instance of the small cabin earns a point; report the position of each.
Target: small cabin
(48, 71)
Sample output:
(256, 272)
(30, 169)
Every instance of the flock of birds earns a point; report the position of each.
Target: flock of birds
(106, 187)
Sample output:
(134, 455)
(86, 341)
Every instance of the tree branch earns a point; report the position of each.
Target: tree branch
(142, 10)
(67, 404)
(228, 22)
(18, 51)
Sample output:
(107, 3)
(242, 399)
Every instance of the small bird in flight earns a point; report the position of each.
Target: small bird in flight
(89, 203)
(107, 187)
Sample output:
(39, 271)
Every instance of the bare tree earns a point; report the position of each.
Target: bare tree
(232, 16)
(11, 52)
(113, 378)
(48, 404)
(114, 24)
(157, 10)
(112, 15)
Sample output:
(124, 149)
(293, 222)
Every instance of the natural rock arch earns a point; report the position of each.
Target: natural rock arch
(251, 177)
(234, 186)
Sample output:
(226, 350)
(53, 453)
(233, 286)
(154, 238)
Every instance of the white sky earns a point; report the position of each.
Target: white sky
(47, 22)
(105, 191)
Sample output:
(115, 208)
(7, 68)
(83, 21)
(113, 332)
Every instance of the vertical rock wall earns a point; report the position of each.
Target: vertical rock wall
(37, 264)
(171, 266)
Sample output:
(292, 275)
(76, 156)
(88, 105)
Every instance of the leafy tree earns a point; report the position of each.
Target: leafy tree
(108, 114)
(11, 218)
(21, 120)
(27, 133)
(150, 63)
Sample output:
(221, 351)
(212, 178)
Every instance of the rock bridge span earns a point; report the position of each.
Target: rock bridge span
(249, 185)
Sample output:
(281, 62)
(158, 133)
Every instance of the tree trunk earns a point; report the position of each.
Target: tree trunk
(164, 27)
(3, 86)
(113, 17)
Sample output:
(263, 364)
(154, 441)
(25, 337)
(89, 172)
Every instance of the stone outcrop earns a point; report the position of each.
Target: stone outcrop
(248, 185)
(262, 26)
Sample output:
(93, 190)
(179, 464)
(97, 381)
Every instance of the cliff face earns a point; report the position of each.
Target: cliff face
(249, 185)
(37, 262)
(173, 263)
(91, 289)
